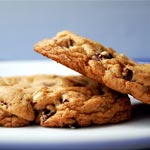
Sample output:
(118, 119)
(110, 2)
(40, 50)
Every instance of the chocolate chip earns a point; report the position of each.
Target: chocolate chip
(64, 100)
(47, 113)
(72, 42)
(53, 105)
(69, 43)
(127, 74)
(101, 56)
(3, 103)
(74, 125)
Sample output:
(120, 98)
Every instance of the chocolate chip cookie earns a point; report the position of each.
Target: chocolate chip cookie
(60, 101)
(100, 63)
(15, 107)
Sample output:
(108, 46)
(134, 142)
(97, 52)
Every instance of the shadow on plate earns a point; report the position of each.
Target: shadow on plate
(140, 111)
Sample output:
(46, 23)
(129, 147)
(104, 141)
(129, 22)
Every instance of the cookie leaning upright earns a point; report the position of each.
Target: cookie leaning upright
(99, 63)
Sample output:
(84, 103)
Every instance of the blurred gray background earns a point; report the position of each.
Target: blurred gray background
(121, 24)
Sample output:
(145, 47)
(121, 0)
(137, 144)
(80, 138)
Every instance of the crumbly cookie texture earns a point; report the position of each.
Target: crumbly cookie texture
(9, 120)
(15, 106)
(80, 106)
(60, 101)
(100, 63)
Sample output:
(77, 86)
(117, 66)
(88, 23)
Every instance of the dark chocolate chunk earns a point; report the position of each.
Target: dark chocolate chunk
(72, 42)
(74, 125)
(103, 56)
(47, 113)
(68, 43)
(3, 103)
(127, 74)
(64, 100)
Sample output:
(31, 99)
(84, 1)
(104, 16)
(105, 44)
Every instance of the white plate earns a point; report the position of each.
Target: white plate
(132, 134)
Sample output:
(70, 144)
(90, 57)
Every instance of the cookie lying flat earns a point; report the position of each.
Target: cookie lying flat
(60, 101)
(16, 95)
(81, 102)
(80, 107)
(15, 107)
(10, 120)
(99, 63)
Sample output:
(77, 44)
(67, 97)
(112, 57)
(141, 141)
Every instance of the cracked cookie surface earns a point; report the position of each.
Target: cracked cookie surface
(80, 106)
(60, 101)
(100, 63)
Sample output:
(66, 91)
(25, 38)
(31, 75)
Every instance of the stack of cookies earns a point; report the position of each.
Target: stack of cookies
(98, 96)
